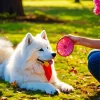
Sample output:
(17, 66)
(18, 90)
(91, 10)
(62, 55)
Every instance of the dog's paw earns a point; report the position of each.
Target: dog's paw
(52, 91)
(66, 88)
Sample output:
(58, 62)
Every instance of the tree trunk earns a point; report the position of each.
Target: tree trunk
(77, 1)
(12, 7)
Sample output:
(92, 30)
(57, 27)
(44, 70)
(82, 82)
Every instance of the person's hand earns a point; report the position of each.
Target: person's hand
(75, 39)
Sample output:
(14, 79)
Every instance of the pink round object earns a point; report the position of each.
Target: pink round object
(65, 46)
(97, 7)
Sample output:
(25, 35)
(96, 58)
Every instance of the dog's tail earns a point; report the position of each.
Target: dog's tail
(6, 50)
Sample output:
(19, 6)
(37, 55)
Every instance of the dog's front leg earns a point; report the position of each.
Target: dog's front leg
(44, 87)
(63, 86)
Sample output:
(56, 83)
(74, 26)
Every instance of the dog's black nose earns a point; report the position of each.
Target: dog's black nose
(53, 54)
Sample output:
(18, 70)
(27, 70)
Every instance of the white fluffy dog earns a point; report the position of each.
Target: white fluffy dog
(31, 65)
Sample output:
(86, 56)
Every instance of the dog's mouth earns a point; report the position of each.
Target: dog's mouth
(50, 62)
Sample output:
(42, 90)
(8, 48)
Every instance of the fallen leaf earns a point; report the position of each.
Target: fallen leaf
(14, 84)
(73, 70)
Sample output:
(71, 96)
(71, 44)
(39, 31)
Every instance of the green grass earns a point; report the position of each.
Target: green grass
(80, 21)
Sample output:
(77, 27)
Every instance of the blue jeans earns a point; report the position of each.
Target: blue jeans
(94, 63)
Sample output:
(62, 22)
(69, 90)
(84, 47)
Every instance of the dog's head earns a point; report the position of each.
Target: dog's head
(44, 52)
(36, 50)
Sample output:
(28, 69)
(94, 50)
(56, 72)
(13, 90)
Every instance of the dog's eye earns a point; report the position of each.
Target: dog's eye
(41, 49)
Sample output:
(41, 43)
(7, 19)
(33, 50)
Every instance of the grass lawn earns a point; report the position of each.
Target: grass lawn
(80, 20)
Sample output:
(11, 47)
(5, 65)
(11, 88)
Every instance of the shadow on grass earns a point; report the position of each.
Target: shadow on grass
(95, 97)
(65, 13)
(55, 15)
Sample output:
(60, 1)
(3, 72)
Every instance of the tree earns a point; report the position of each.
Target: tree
(77, 1)
(12, 7)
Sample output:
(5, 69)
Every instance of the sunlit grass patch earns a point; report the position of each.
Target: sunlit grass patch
(58, 3)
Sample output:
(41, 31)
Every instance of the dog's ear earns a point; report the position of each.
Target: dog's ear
(44, 35)
(28, 38)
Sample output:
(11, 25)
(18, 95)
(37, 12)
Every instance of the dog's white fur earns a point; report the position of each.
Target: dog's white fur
(22, 65)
